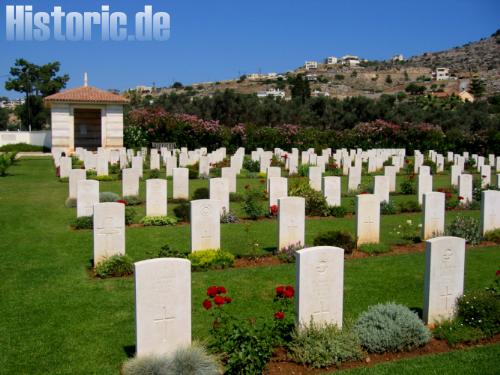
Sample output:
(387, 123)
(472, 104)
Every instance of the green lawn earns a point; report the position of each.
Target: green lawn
(57, 320)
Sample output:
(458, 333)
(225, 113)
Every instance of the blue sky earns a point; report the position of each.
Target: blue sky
(219, 39)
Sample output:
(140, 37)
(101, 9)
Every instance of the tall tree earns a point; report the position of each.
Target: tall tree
(477, 87)
(35, 82)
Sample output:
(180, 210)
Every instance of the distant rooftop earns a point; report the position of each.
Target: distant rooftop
(86, 94)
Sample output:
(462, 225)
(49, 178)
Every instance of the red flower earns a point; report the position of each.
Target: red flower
(228, 299)
(460, 198)
(273, 209)
(221, 290)
(207, 304)
(219, 300)
(122, 201)
(280, 291)
(212, 291)
(289, 291)
(498, 273)
(280, 315)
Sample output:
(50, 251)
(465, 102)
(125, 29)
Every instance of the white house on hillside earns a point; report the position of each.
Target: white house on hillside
(350, 60)
(308, 65)
(442, 74)
(332, 60)
(276, 93)
(86, 117)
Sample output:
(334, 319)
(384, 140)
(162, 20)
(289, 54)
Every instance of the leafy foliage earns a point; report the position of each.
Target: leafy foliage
(493, 236)
(108, 196)
(324, 345)
(158, 221)
(287, 254)
(316, 204)
(201, 193)
(337, 238)
(465, 227)
(83, 222)
(211, 259)
(388, 208)
(228, 217)
(481, 309)
(455, 332)
(115, 266)
(167, 252)
(182, 211)
(391, 328)
(374, 248)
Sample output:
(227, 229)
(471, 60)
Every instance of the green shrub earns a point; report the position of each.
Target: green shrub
(83, 222)
(211, 259)
(409, 206)
(252, 206)
(64, 180)
(114, 169)
(70, 203)
(107, 196)
(455, 332)
(250, 165)
(167, 252)
(115, 266)
(201, 193)
(182, 211)
(324, 345)
(193, 172)
(192, 360)
(407, 187)
(465, 227)
(228, 217)
(23, 147)
(481, 309)
(5, 163)
(388, 208)
(407, 232)
(287, 254)
(374, 248)
(316, 204)
(154, 173)
(431, 164)
(493, 236)
(133, 200)
(303, 170)
(130, 215)
(158, 221)
(235, 197)
(337, 238)
(391, 328)
(337, 211)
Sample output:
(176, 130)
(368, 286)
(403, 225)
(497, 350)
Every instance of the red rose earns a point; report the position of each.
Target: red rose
(289, 291)
(280, 315)
(280, 291)
(221, 290)
(460, 198)
(212, 291)
(228, 299)
(498, 273)
(219, 300)
(207, 304)
(122, 201)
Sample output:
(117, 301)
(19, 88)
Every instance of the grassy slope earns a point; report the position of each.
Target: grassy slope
(57, 320)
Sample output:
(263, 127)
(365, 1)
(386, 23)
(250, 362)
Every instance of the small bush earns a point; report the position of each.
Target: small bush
(324, 345)
(70, 203)
(252, 206)
(182, 211)
(337, 211)
(465, 227)
(192, 360)
(228, 217)
(236, 197)
(167, 252)
(455, 332)
(133, 200)
(388, 208)
(158, 221)
(115, 266)
(107, 196)
(303, 170)
(316, 204)
(64, 180)
(130, 215)
(193, 173)
(391, 328)
(154, 173)
(374, 248)
(251, 166)
(493, 236)
(337, 238)
(6, 160)
(407, 187)
(409, 206)
(114, 169)
(83, 222)
(481, 309)
(210, 259)
(201, 193)
(102, 178)
(22, 147)
(287, 254)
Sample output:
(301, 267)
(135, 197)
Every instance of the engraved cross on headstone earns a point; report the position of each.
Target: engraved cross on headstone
(164, 321)
(446, 294)
(108, 229)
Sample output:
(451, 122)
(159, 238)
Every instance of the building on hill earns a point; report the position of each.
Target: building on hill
(398, 57)
(312, 77)
(350, 60)
(144, 89)
(442, 74)
(318, 93)
(332, 60)
(466, 96)
(309, 65)
(86, 117)
(276, 93)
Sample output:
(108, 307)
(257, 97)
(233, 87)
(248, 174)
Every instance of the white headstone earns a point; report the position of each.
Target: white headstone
(490, 210)
(354, 178)
(205, 224)
(444, 277)
(278, 188)
(163, 305)
(367, 219)
(229, 173)
(433, 215)
(219, 191)
(102, 164)
(320, 285)
(87, 197)
(180, 183)
(291, 222)
(381, 188)
(109, 230)
(75, 176)
(465, 188)
(390, 172)
(424, 186)
(331, 190)
(137, 165)
(130, 182)
(156, 197)
(65, 164)
(315, 178)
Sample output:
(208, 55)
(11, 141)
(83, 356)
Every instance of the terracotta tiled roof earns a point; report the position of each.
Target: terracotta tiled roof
(85, 94)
